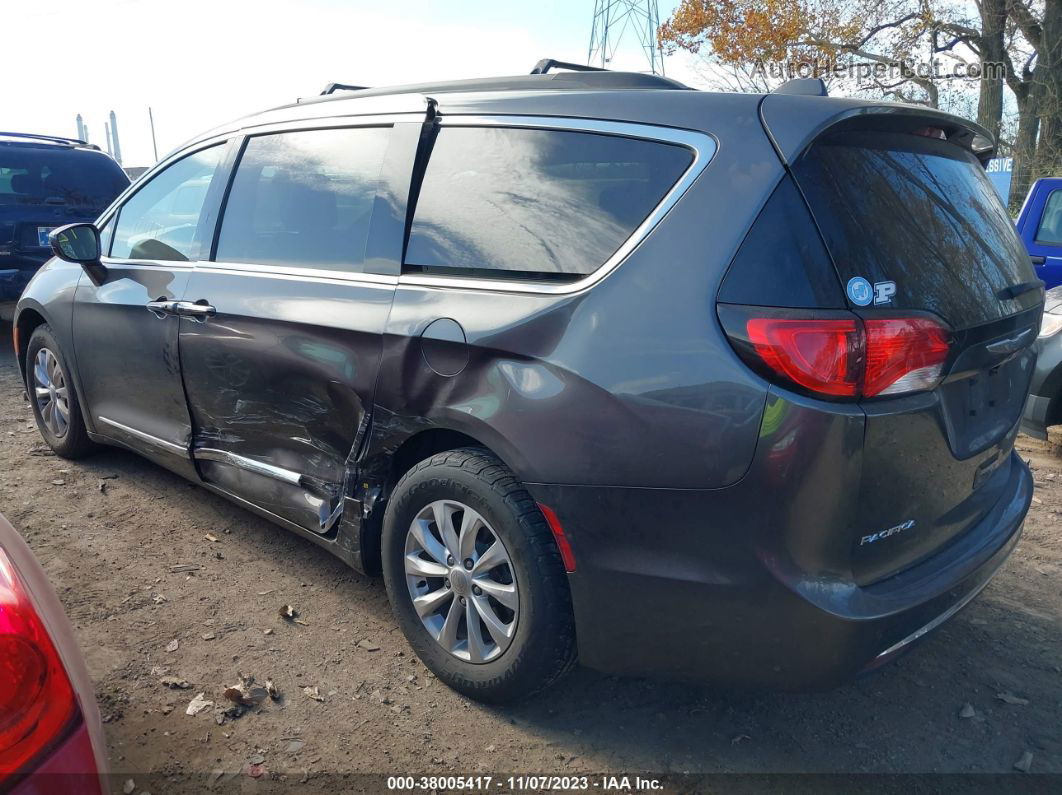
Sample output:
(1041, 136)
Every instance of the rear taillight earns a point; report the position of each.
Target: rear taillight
(903, 354)
(838, 354)
(37, 702)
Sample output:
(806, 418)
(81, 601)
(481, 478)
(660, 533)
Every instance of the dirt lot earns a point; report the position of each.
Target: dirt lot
(111, 556)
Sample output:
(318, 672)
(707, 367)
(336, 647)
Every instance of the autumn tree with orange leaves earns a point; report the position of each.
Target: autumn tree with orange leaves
(1015, 44)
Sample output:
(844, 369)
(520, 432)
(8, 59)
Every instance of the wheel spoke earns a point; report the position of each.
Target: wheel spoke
(419, 567)
(428, 542)
(477, 649)
(60, 420)
(494, 556)
(41, 392)
(444, 520)
(471, 523)
(448, 634)
(505, 594)
(429, 603)
(498, 631)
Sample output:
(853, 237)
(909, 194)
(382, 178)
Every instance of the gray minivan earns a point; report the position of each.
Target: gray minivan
(588, 364)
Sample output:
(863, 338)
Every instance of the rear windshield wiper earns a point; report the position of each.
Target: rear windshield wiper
(1020, 289)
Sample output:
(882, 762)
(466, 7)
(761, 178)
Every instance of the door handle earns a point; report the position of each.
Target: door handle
(162, 308)
(1038, 260)
(196, 310)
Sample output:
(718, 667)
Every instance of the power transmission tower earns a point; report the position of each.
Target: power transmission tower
(615, 18)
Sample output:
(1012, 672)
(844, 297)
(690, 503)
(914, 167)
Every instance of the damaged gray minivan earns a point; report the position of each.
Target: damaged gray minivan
(589, 364)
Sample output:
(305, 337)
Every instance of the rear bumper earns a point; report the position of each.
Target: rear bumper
(676, 583)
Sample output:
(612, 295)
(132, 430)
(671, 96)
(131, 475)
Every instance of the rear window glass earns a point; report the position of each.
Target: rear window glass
(535, 204)
(1050, 229)
(921, 213)
(59, 176)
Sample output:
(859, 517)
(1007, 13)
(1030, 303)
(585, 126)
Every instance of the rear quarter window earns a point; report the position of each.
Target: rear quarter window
(548, 205)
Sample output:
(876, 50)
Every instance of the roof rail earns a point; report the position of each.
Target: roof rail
(543, 66)
(53, 138)
(332, 88)
(804, 86)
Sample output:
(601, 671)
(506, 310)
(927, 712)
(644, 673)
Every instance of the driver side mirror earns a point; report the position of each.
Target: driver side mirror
(78, 243)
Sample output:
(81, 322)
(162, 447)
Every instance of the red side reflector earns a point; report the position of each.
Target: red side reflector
(37, 703)
(567, 556)
(15, 334)
(818, 354)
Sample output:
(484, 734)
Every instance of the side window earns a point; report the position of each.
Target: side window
(161, 220)
(534, 204)
(1050, 229)
(304, 199)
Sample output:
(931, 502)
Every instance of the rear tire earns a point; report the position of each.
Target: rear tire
(526, 573)
(53, 398)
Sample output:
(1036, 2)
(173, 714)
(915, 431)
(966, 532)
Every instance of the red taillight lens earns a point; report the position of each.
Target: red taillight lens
(37, 703)
(838, 354)
(820, 355)
(904, 354)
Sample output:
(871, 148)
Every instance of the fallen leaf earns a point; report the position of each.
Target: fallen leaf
(313, 693)
(198, 704)
(58, 482)
(1009, 698)
(288, 613)
(211, 537)
(1025, 762)
(368, 645)
(245, 692)
(256, 771)
(173, 645)
(967, 711)
(272, 690)
(268, 631)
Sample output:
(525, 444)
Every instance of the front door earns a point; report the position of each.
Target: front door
(1045, 242)
(280, 364)
(125, 329)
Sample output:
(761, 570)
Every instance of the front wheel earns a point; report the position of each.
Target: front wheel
(475, 579)
(52, 396)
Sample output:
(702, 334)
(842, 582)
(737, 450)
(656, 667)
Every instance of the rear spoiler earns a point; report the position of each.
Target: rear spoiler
(792, 120)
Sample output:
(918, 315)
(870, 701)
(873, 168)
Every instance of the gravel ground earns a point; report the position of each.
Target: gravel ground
(111, 554)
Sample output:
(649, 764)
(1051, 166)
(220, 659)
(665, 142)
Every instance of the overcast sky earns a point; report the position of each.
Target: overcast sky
(198, 63)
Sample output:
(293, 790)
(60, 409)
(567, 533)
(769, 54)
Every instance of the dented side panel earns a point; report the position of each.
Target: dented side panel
(283, 373)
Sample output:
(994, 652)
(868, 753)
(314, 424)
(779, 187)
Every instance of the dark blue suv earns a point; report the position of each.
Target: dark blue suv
(46, 182)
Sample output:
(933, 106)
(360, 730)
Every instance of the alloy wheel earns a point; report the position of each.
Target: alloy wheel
(461, 581)
(51, 392)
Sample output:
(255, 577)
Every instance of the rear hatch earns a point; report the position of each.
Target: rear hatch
(915, 230)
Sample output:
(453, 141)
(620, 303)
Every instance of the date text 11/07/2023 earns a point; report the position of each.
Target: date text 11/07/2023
(531, 783)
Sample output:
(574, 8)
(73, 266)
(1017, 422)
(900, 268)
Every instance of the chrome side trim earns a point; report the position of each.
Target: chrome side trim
(936, 622)
(701, 144)
(155, 441)
(258, 467)
(299, 274)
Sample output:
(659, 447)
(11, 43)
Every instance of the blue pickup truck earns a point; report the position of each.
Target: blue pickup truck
(1040, 229)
